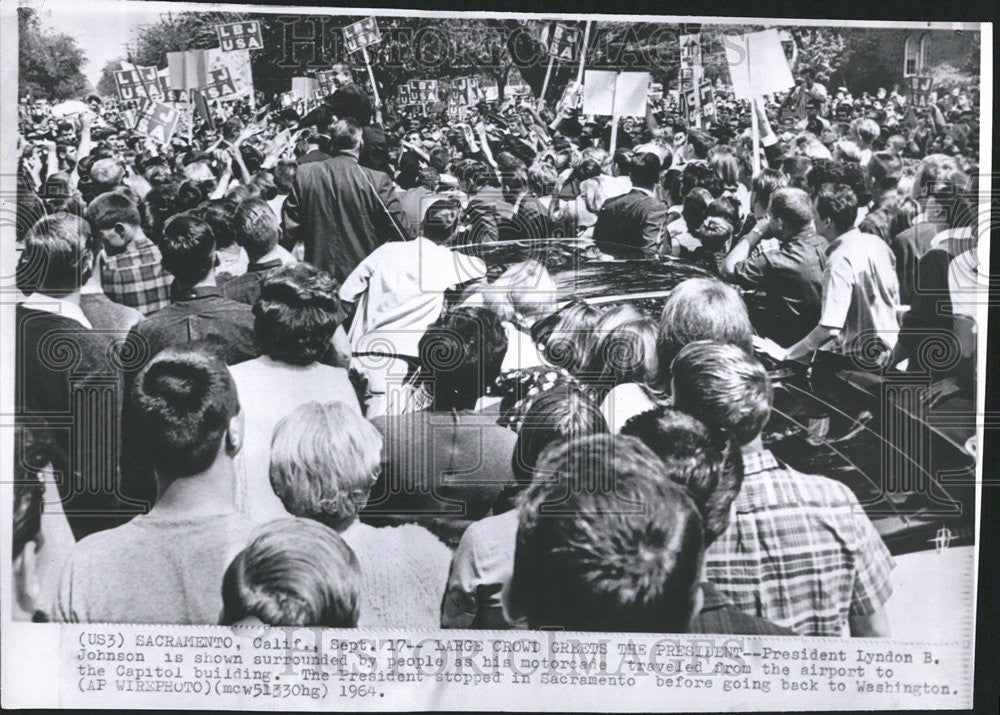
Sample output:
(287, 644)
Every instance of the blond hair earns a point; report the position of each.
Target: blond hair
(323, 460)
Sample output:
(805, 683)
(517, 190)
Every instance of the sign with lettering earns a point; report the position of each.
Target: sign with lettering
(690, 50)
(140, 82)
(220, 84)
(403, 94)
(565, 43)
(157, 121)
(424, 91)
(707, 100)
(240, 36)
(327, 81)
(361, 34)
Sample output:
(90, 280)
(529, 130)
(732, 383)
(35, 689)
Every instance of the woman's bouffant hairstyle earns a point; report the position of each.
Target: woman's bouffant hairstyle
(324, 461)
(295, 572)
(626, 349)
(567, 337)
(297, 314)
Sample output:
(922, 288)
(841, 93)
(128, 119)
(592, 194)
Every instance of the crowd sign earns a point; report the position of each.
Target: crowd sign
(326, 81)
(920, 87)
(361, 34)
(403, 94)
(757, 64)
(424, 91)
(690, 50)
(690, 77)
(240, 36)
(220, 84)
(466, 89)
(707, 101)
(199, 69)
(303, 87)
(620, 94)
(138, 82)
(157, 121)
(565, 43)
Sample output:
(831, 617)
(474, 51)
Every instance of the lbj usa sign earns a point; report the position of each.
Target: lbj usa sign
(158, 121)
(361, 34)
(240, 36)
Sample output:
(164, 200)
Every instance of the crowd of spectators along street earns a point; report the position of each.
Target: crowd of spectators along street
(296, 396)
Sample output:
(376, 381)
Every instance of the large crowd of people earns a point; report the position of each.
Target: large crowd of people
(264, 376)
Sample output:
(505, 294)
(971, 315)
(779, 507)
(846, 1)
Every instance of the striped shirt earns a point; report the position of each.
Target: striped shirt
(800, 552)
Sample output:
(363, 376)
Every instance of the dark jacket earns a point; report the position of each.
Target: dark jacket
(633, 219)
(341, 212)
(68, 384)
(530, 220)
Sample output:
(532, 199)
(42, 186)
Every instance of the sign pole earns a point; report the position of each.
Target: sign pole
(583, 54)
(615, 118)
(545, 84)
(755, 128)
(371, 76)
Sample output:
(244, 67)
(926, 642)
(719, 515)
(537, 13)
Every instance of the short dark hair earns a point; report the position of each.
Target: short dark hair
(294, 572)
(461, 354)
(111, 208)
(700, 309)
(797, 169)
(561, 414)
(218, 213)
(727, 207)
(885, 169)
(624, 555)
(766, 183)
(698, 458)
(57, 256)
(723, 386)
(297, 314)
(698, 174)
(345, 134)
(183, 401)
(187, 248)
(256, 227)
(837, 202)
(645, 169)
(695, 207)
(441, 220)
(792, 207)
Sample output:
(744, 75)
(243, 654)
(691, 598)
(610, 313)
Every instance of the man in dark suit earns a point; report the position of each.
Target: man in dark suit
(637, 218)
(340, 210)
(67, 379)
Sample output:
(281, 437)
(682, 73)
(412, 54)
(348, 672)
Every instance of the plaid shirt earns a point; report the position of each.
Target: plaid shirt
(135, 277)
(800, 552)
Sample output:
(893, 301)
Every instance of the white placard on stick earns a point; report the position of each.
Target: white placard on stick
(620, 94)
(757, 64)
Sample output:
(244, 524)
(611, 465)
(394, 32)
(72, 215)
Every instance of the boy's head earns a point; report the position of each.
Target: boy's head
(606, 542)
(188, 248)
(256, 227)
(57, 258)
(723, 386)
(696, 457)
(188, 412)
(295, 572)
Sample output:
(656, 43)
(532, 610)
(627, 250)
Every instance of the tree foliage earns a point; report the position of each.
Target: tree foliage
(106, 86)
(49, 63)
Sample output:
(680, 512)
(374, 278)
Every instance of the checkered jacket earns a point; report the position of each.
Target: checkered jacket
(136, 278)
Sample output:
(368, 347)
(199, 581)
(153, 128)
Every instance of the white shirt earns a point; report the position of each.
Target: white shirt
(861, 289)
(58, 306)
(399, 290)
(268, 390)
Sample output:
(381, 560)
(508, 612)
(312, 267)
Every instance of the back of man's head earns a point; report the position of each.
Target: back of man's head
(187, 248)
(57, 256)
(110, 209)
(792, 208)
(257, 228)
(645, 170)
(606, 542)
(106, 175)
(695, 207)
(350, 102)
(700, 309)
(884, 170)
(184, 401)
(429, 177)
(441, 220)
(697, 458)
(839, 204)
(345, 134)
(723, 386)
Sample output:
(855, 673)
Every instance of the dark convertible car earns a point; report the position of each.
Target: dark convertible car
(914, 476)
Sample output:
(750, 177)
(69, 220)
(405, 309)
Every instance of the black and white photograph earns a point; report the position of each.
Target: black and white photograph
(409, 359)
